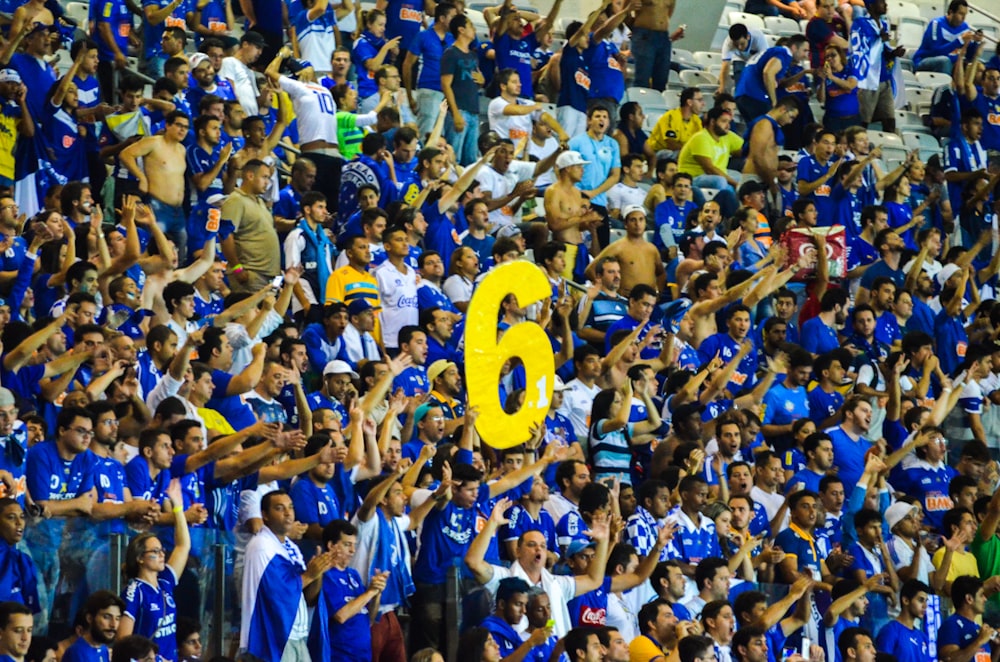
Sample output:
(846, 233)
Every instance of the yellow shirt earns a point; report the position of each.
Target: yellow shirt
(215, 421)
(704, 144)
(9, 120)
(962, 563)
(644, 649)
(672, 125)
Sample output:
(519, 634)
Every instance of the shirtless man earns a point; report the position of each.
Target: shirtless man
(161, 176)
(566, 210)
(766, 140)
(640, 260)
(31, 12)
(651, 39)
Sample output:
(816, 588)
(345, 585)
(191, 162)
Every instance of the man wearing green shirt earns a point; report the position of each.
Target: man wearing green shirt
(706, 158)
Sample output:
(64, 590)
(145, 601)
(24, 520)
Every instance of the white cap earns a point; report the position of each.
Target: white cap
(628, 209)
(570, 158)
(947, 271)
(338, 367)
(896, 512)
(559, 385)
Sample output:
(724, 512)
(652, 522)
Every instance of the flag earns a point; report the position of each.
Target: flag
(272, 592)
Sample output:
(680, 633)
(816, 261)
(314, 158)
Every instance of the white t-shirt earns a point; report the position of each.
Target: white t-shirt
(511, 127)
(458, 288)
(540, 153)
(244, 84)
(368, 533)
(399, 301)
(500, 186)
(757, 44)
(578, 400)
(315, 109)
(620, 196)
(560, 589)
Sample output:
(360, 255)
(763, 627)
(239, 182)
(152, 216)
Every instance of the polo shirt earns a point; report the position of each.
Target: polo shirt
(672, 125)
(704, 143)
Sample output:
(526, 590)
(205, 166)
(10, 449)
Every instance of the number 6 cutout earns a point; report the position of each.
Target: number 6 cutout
(485, 356)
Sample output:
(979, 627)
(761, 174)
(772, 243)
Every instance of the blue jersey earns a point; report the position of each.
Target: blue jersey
(694, 541)
(848, 456)
(956, 630)
(828, 637)
(952, 340)
(516, 54)
(142, 485)
(233, 408)
(413, 381)
(314, 504)
(989, 107)
(110, 482)
(403, 18)
(520, 522)
(574, 67)
(366, 47)
(51, 478)
(64, 144)
(446, 536)
(116, 14)
(352, 639)
(642, 530)
(801, 546)
(153, 611)
(929, 484)
(442, 233)
(783, 405)
(18, 577)
(823, 405)
(905, 644)
(591, 608)
(607, 76)
(570, 529)
(429, 48)
(671, 219)
(751, 81)
(152, 34)
(840, 102)
(81, 651)
(506, 636)
(808, 478)
(819, 338)
(38, 76)
(727, 348)
(809, 170)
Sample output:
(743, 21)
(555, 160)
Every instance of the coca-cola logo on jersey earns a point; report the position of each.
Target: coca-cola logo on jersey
(591, 616)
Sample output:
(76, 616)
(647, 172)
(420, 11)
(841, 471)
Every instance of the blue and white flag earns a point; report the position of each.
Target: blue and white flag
(272, 594)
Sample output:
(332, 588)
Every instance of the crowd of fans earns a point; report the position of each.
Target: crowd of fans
(235, 280)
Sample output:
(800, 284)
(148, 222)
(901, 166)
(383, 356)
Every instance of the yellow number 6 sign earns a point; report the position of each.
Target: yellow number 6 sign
(484, 356)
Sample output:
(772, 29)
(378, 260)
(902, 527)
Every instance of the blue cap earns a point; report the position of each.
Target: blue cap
(578, 546)
(674, 311)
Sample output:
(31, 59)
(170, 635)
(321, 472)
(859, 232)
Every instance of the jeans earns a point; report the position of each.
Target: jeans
(428, 107)
(173, 222)
(726, 197)
(465, 142)
(942, 64)
(651, 50)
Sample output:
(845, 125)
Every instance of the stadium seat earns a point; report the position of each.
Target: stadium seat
(781, 26)
(900, 8)
(683, 56)
(672, 98)
(910, 35)
(921, 141)
(910, 79)
(709, 193)
(908, 121)
(708, 59)
(643, 95)
(919, 99)
(79, 12)
(884, 138)
(693, 78)
(752, 21)
(932, 80)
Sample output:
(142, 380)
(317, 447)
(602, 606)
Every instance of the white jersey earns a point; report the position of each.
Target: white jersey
(314, 108)
(621, 196)
(540, 153)
(399, 301)
(512, 127)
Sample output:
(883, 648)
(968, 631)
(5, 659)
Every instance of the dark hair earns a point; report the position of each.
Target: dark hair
(793, 499)
(511, 586)
(952, 520)
(337, 529)
(833, 298)
(565, 472)
(9, 608)
(693, 647)
(594, 496)
(912, 587)
(265, 501)
(849, 639)
(963, 587)
(706, 569)
(575, 642)
(133, 647)
(744, 604)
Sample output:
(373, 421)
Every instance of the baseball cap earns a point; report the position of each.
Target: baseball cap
(421, 411)
(570, 158)
(338, 367)
(897, 511)
(216, 199)
(197, 60)
(437, 368)
(254, 39)
(947, 271)
(359, 306)
(628, 209)
(750, 187)
(295, 67)
(509, 231)
(9, 76)
(578, 546)
(559, 385)
(42, 27)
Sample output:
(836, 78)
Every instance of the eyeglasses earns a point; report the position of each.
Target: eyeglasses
(155, 552)
(83, 432)
(435, 418)
(110, 421)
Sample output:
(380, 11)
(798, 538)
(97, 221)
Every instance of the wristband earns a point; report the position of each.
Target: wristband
(178, 510)
(236, 269)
